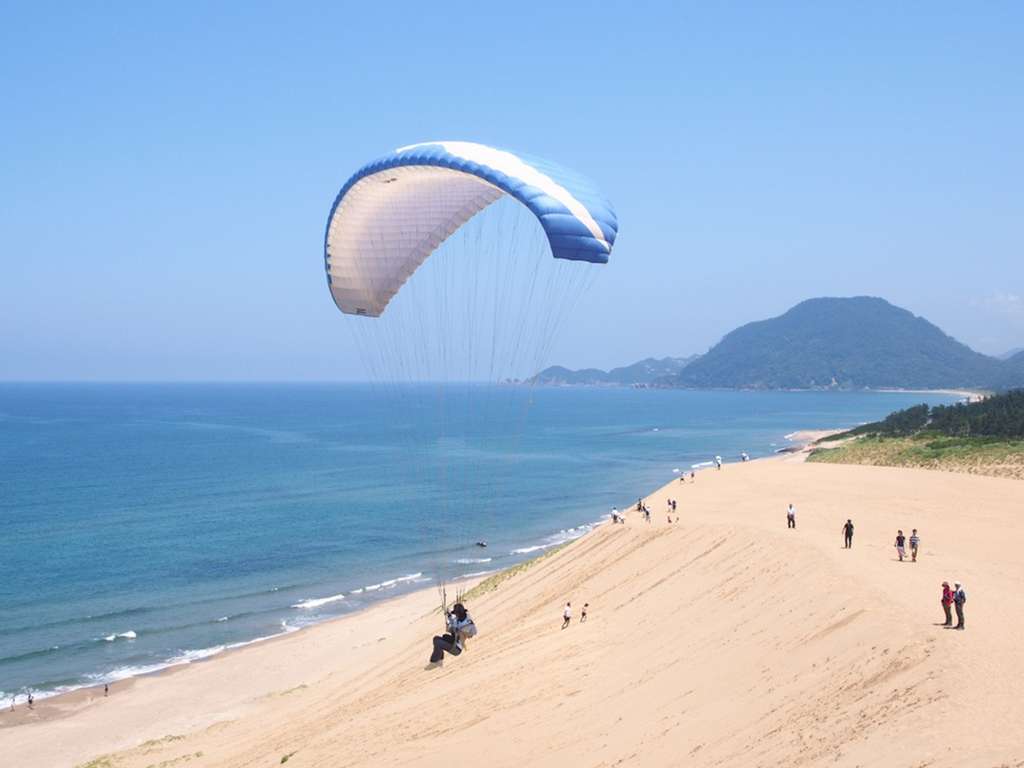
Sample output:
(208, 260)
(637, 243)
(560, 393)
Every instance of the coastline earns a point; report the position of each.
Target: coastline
(845, 630)
(62, 701)
(65, 704)
(970, 395)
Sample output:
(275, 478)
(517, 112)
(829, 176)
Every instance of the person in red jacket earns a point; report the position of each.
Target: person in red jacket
(947, 601)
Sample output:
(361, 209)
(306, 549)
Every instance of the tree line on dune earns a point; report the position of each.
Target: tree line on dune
(1000, 416)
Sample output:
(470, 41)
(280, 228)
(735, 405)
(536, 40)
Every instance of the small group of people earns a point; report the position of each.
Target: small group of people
(954, 598)
(901, 542)
(671, 511)
(567, 614)
(31, 701)
(617, 517)
(693, 477)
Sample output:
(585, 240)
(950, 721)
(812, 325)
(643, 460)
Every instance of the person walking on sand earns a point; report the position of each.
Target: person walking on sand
(460, 629)
(566, 615)
(900, 541)
(947, 603)
(959, 599)
(848, 534)
(791, 517)
(915, 542)
(106, 689)
(32, 699)
(583, 613)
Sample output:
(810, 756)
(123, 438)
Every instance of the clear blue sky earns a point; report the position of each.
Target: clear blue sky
(167, 169)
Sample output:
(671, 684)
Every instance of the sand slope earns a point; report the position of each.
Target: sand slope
(722, 640)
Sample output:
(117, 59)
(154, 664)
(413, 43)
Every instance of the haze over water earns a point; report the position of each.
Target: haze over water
(144, 524)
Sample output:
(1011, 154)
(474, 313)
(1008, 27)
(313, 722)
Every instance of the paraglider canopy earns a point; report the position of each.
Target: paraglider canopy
(397, 210)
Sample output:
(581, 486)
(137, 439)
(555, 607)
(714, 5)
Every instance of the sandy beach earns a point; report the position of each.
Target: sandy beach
(722, 639)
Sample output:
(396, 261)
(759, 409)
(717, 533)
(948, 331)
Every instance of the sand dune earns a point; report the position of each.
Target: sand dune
(721, 640)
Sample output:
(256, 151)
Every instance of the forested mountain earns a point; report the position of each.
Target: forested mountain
(643, 372)
(844, 343)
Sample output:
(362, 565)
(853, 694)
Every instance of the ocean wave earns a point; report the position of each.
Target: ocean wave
(129, 635)
(473, 560)
(389, 583)
(316, 602)
(528, 550)
(555, 539)
(475, 574)
(31, 654)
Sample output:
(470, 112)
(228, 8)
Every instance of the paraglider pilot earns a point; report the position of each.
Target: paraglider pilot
(460, 629)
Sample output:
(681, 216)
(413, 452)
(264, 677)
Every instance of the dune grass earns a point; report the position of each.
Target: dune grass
(975, 455)
(492, 582)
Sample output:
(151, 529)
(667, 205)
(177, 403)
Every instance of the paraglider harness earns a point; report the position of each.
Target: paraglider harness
(459, 629)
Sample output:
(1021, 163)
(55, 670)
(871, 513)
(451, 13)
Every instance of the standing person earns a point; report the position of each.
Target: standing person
(848, 534)
(32, 699)
(460, 629)
(693, 476)
(647, 514)
(583, 613)
(914, 544)
(106, 689)
(959, 598)
(947, 602)
(615, 515)
(900, 540)
(566, 615)
(639, 504)
(791, 517)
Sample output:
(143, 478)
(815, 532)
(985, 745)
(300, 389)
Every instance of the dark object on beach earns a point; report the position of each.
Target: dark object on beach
(106, 689)
(583, 612)
(848, 534)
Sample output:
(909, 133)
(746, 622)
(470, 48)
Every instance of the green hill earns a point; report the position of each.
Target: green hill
(844, 343)
(643, 372)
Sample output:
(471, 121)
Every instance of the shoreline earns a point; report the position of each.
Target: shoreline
(64, 704)
(851, 634)
(800, 444)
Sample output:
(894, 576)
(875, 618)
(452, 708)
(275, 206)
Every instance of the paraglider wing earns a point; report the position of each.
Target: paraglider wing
(395, 211)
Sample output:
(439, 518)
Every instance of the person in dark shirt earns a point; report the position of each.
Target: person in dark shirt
(901, 540)
(848, 535)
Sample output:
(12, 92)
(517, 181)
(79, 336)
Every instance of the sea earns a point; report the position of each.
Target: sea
(149, 525)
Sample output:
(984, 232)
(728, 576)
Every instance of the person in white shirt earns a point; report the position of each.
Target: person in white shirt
(566, 615)
(460, 629)
(791, 517)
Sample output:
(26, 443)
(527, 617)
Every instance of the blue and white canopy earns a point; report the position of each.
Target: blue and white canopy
(395, 211)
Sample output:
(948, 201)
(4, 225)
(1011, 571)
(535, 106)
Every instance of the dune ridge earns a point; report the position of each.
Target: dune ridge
(720, 640)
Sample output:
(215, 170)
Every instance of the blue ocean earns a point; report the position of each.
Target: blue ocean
(143, 525)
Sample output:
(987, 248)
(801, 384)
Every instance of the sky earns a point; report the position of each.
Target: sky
(166, 169)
